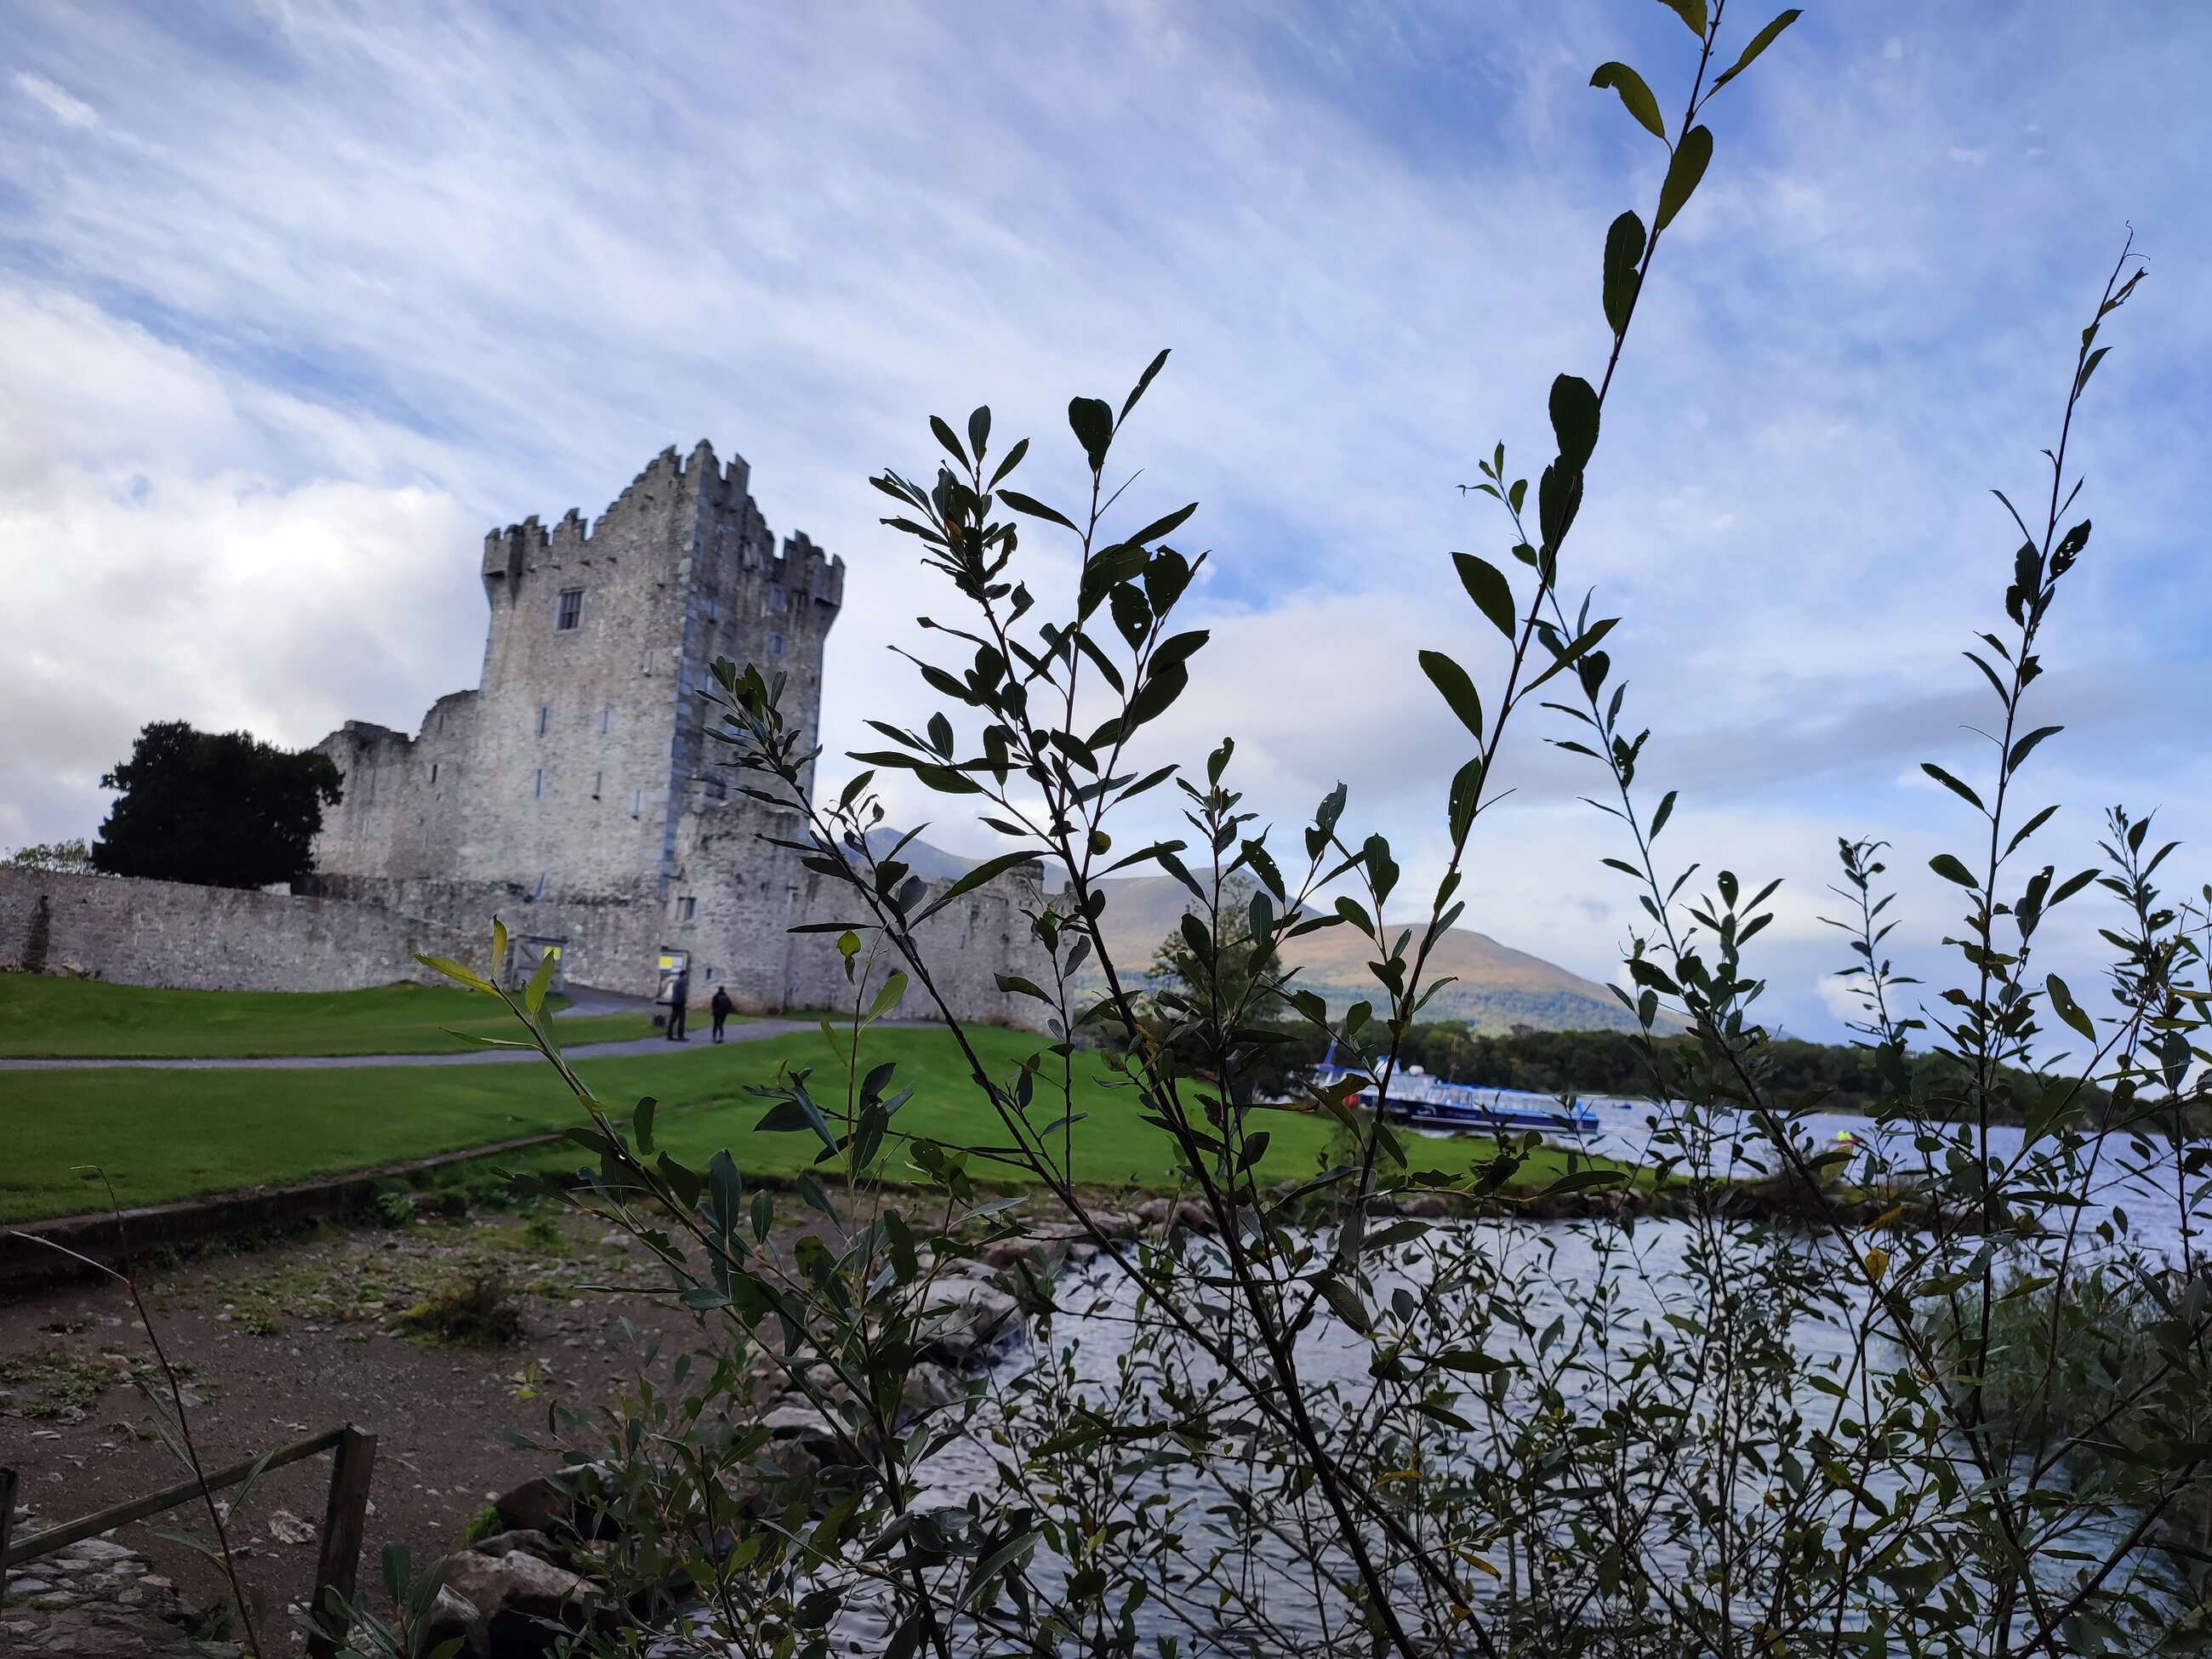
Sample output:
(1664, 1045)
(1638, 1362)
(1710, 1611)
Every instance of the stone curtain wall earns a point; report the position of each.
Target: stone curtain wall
(217, 938)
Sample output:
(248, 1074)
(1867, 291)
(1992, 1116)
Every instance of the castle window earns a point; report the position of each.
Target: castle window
(545, 717)
(778, 600)
(537, 784)
(598, 778)
(607, 722)
(636, 801)
(570, 610)
(776, 645)
(714, 608)
(687, 910)
(433, 771)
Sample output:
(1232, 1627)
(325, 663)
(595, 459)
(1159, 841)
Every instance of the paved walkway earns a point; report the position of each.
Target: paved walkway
(753, 1031)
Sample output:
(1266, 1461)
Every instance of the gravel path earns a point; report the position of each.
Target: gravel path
(751, 1031)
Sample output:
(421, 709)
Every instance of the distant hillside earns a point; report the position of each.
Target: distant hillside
(930, 863)
(1496, 988)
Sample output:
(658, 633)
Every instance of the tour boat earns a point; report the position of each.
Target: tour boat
(1430, 1103)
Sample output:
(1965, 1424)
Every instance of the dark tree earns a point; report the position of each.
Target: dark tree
(216, 809)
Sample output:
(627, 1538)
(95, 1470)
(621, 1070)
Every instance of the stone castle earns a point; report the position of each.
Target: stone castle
(574, 793)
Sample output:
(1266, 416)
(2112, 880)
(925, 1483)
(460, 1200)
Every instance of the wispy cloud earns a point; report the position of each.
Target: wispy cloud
(317, 295)
(68, 110)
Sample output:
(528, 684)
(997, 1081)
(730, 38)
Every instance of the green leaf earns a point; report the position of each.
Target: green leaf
(945, 436)
(1574, 419)
(1951, 870)
(1091, 420)
(1953, 785)
(2026, 746)
(453, 970)
(1466, 794)
(989, 870)
(1691, 156)
(1693, 13)
(1034, 508)
(1624, 252)
(1458, 689)
(888, 998)
(1159, 527)
(533, 994)
(1759, 42)
(2062, 999)
(1493, 594)
(1143, 380)
(640, 1125)
(1346, 1300)
(1635, 96)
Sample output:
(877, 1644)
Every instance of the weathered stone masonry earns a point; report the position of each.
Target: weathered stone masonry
(574, 793)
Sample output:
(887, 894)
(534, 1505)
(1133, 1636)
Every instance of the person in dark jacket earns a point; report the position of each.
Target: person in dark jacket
(721, 1007)
(679, 994)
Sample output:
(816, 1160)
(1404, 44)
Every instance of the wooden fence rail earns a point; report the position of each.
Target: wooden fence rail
(344, 1516)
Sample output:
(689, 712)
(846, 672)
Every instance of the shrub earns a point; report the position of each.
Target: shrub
(478, 1310)
(1306, 1421)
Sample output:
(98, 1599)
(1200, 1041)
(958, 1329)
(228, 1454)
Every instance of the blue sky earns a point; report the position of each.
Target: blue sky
(296, 302)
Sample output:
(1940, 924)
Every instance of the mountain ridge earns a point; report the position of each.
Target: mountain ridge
(1497, 985)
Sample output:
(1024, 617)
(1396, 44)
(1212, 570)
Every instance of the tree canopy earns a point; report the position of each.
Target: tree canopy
(215, 809)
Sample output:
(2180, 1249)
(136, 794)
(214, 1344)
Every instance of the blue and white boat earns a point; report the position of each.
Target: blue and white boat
(1428, 1103)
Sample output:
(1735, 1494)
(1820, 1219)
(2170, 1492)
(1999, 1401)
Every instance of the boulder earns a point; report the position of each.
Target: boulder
(548, 1502)
(528, 1541)
(964, 1319)
(521, 1602)
(1186, 1212)
(795, 1417)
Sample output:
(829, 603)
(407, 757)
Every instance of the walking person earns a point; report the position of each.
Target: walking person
(721, 1007)
(679, 994)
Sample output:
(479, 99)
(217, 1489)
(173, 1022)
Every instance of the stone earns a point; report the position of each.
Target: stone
(540, 1504)
(522, 1603)
(964, 1319)
(29, 1586)
(453, 1615)
(795, 1417)
(528, 1541)
(100, 1549)
(286, 1528)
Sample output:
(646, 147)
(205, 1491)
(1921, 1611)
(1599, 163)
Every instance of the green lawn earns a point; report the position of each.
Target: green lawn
(47, 1015)
(163, 1134)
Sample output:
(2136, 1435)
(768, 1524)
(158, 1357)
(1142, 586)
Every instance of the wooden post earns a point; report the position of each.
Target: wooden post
(7, 1519)
(345, 1519)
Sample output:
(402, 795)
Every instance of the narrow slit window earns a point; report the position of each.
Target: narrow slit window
(636, 802)
(607, 722)
(568, 614)
(776, 645)
(537, 784)
(687, 910)
(598, 778)
(545, 717)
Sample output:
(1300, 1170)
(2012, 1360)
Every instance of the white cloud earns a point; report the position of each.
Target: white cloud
(323, 297)
(69, 111)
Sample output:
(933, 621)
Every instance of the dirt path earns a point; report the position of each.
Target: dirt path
(289, 1341)
(751, 1031)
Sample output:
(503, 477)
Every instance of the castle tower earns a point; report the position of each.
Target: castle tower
(589, 739)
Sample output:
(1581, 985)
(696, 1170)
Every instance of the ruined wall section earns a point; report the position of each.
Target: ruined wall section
(167, 933)
(746, 896)
(405, 798)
